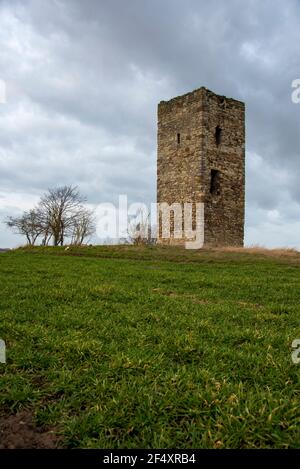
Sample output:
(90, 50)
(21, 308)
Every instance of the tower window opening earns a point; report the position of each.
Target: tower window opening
(178, 138)
(218, 135)
(215, 182)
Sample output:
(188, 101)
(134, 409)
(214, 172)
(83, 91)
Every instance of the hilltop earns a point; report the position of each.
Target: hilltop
(152, 347)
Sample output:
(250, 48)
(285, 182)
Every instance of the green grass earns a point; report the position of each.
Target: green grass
(130, 347)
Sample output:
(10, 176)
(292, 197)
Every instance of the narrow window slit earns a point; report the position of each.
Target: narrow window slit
(218, 135)
(215, 182)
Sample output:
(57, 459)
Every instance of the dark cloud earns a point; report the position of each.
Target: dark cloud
(84, 79)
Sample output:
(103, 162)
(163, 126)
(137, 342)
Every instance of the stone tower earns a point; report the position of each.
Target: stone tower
(201, 158)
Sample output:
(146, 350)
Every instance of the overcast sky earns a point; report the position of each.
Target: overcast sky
(83, 79)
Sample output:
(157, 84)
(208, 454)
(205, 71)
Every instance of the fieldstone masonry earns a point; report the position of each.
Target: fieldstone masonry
(201, 158)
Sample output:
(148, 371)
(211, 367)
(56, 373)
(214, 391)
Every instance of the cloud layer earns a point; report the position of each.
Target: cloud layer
(84, 79)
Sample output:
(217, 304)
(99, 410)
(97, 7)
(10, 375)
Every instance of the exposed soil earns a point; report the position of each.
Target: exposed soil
(19, 431)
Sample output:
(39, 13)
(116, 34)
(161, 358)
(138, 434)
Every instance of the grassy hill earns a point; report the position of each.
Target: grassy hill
(152, 347)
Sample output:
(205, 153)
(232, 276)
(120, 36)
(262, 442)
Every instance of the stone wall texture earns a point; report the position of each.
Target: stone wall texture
(201, 158)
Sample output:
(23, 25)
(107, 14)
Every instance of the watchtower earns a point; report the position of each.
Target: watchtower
(201, 158)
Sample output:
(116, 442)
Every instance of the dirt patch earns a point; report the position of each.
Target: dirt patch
(250, 305)
(277, 252)
(19, 431)
(180, 295)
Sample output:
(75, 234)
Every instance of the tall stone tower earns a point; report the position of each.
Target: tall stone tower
(201, 158)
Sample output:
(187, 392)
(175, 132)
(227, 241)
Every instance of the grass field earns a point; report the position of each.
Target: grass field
(124, 347)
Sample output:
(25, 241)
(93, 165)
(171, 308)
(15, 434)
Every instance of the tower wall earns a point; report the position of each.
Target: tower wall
(198, 163)
(224, 211)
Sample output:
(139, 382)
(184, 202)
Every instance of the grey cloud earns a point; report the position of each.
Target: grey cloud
(84, 79)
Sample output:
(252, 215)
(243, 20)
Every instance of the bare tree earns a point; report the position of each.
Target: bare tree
(59, 209)
(27, 224)
(139, 229)
(60, 214)
(83, 227)
(44, 224)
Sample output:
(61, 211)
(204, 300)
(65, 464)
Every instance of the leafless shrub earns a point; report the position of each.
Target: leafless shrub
(60, 214)
(139, 231)
(27, 224)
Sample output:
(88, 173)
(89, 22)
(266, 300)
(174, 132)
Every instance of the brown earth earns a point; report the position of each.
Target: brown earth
(19, 431)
